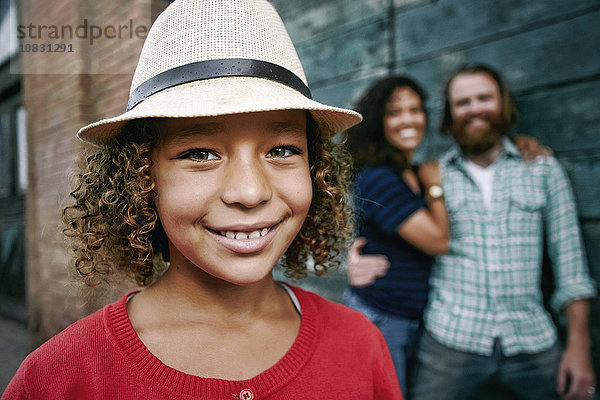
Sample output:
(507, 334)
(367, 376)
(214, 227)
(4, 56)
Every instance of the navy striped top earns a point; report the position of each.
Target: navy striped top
(383, 202)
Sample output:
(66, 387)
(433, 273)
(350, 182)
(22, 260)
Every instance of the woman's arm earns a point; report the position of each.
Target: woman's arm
(530, 147)
(427, 229)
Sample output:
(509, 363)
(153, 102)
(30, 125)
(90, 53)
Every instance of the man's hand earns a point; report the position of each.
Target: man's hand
(575, 375)
(364, 269)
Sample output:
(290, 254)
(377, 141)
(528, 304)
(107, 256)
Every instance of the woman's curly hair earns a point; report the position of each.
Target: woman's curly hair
(367, 141)
(113, 225)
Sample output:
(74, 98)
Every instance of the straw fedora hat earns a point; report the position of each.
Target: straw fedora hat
(217, 57)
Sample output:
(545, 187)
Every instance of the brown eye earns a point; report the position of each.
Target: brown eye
(200, 155)
(283, 151)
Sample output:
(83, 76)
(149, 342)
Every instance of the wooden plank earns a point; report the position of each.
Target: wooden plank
(340, 57)
(354, 46)
(584, 173)
(591, 236)
(347, 93)
(307, 21)
(529, 61)
(338, 38)
(357, 40)
(459, 23)
(566, 119)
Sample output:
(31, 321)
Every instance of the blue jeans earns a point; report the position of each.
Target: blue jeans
(400, 334)
(444, 373)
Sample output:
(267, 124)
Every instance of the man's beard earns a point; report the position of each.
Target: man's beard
(478, 140)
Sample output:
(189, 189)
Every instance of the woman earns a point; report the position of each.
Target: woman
(401, 215)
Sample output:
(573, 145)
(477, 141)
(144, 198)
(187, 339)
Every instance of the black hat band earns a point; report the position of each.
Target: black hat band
(209, 69)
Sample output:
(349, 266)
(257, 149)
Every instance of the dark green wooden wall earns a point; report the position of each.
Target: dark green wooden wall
(548, 51)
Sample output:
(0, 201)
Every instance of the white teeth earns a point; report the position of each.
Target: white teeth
(246, 235)
(408, 133)
(478, 121)
(241, 235)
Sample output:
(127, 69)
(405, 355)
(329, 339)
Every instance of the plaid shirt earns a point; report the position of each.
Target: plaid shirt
(489, 284)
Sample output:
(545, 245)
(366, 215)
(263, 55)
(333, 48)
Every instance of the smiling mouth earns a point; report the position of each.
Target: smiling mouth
(240, 235)
(408, 133)
(478, 121)
(245, 242)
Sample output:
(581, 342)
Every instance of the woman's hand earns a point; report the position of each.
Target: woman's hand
(530, 147)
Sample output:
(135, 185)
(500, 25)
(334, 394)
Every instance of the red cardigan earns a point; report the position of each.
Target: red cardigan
(338, 354)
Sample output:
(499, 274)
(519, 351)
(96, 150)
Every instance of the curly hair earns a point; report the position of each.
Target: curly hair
(114, 226)
(367, 141)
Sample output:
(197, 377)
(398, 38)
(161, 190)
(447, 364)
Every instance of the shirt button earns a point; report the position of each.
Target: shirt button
(246, 394)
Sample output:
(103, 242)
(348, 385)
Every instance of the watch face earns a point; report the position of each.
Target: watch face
(435, 191)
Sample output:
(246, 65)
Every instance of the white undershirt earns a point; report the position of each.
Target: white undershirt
(292, 295)
(284, 285)
(484, 179)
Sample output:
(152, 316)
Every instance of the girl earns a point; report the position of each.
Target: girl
(402, 218)
(222, 165)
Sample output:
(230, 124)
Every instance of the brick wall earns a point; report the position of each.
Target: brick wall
(57, 106)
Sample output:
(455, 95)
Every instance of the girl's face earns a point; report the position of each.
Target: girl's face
(232, 191)
(404, 119)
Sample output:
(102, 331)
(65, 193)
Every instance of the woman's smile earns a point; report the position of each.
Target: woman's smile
(404, 119)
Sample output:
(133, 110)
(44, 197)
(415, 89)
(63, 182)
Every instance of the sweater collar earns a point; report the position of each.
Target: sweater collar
(156, 373)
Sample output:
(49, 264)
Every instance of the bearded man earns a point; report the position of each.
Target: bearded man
(485, 314)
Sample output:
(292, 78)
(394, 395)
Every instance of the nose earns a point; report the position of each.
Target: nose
(246, 183)
(404, 118)
(476, 107)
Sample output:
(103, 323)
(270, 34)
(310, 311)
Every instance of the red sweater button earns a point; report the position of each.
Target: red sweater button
(246, 394)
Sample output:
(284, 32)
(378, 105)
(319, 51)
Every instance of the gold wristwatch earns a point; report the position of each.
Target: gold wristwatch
(434, 192)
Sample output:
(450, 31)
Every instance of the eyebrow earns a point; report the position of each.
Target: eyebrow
(214, 128)
(208, 128)
(286, 128)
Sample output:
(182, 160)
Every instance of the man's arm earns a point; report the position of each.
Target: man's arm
(363, 270)
(573, 284)
(575, 375)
